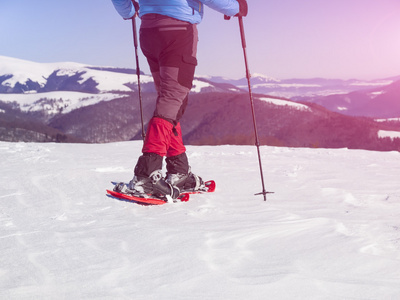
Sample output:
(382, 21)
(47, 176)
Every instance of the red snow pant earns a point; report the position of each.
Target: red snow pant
(163, 139)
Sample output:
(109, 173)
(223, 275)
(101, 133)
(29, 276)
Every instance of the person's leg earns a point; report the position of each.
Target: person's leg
(178, 169)
(171, 54)
(177, 161)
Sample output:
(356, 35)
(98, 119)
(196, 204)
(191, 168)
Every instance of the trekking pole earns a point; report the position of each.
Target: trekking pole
(257, 142)
(135, 42)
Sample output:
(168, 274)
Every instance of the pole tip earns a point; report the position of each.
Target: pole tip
(264, 193)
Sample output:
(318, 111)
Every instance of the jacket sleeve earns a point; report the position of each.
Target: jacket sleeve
(124, 7)
(226, 7)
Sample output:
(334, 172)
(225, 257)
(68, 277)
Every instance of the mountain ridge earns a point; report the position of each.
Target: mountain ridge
(100, 104)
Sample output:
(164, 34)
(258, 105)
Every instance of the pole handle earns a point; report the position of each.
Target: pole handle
(135, 40)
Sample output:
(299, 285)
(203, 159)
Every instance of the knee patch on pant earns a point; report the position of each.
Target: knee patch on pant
(187, 70)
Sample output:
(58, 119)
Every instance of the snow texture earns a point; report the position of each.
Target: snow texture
(330, 231)
(389, 134)
(286, 103)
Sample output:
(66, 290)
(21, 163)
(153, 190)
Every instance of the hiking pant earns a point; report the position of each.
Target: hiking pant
(170, 48)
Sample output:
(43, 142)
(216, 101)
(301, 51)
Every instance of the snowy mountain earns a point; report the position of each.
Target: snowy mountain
(291, 88)
(20, 76)
(330, 231)
(62, 87)
(381, 102)
(73, 102)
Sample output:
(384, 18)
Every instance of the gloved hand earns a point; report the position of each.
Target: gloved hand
(242, 8)
(136, 5)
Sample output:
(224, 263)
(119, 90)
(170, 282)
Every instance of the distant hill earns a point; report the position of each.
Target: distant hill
(290, 88)
(69, 102)
(382, 102)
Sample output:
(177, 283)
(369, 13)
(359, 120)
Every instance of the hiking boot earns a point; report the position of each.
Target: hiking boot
(154, 185)
(186, 182)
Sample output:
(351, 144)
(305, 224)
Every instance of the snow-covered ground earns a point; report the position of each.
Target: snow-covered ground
(330, 231)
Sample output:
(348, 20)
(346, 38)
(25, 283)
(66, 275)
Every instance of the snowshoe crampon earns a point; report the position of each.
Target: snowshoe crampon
(147, 199)
(209, 187)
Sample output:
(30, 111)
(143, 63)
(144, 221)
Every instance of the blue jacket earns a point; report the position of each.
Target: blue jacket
(185, 10)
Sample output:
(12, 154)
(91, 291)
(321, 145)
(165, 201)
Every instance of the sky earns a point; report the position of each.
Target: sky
(285, 39)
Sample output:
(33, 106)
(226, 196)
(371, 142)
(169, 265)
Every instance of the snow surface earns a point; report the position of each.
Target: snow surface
(67, 101)
(199, 85)
(388, 120)
(330, 231)
(373, 95)
(390, 134)
(376, 83)
(285, 103)
(263, 77)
